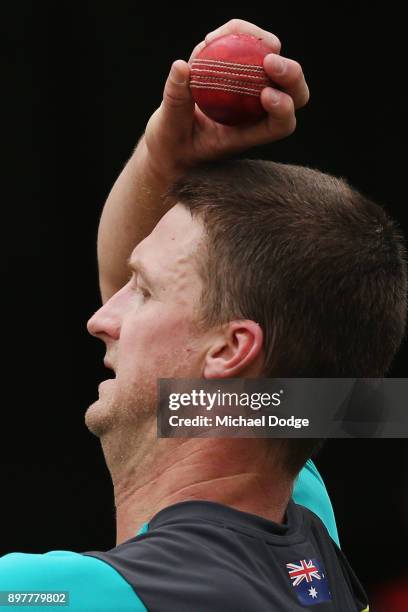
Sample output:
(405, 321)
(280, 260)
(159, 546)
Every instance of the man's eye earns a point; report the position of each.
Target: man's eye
(144, 292)
(141, 290)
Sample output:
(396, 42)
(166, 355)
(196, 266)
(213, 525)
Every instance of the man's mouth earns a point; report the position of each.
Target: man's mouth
(106, 382)
(111, 379)
(109, 366)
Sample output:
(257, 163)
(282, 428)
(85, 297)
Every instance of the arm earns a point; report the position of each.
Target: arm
(178, 136)
(132, 210)
(91, 583)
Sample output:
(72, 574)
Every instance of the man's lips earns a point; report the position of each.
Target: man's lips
(108, 365)
(106, 382)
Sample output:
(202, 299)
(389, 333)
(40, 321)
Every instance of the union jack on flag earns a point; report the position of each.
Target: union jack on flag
(304, 570)
(309, 581)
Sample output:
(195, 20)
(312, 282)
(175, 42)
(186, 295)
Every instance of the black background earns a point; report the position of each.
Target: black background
(80, 80)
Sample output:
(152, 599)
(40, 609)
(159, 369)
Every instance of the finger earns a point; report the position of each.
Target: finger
(196, 51)
(178, 104)
(239, 26)
(288, 74)
(280, 122)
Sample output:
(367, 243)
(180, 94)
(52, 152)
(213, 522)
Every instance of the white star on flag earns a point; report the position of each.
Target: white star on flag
(313, 592)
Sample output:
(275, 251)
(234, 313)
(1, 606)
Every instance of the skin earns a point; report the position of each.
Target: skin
(178, 136)
(158, 338)
(150, 330)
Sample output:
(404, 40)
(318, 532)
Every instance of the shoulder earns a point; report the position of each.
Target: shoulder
(335, 561)
(175, 566)
(192, 565)
(186, 562)
(91, 583)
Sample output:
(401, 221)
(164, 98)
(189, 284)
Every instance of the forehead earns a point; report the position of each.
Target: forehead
(170, 248)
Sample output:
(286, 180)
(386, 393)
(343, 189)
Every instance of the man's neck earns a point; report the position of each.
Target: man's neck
(241, 473)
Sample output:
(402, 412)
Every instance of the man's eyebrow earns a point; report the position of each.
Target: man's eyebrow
(136, 265)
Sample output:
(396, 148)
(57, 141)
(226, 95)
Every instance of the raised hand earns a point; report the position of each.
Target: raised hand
(179, 135)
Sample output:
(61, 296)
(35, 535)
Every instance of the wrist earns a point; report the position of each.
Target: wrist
(161, 170)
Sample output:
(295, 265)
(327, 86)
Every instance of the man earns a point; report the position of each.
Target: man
(216, 527)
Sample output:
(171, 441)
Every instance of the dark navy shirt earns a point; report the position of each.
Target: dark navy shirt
(201, 556)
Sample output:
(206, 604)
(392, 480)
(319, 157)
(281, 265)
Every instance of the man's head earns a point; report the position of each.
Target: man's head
(264, 269)
(151, 328)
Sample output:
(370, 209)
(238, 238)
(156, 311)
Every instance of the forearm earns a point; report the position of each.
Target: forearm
(132, 209)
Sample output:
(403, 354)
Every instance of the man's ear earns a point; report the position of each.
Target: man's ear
(235, 351)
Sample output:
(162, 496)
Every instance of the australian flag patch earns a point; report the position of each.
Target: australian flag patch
(309, 581)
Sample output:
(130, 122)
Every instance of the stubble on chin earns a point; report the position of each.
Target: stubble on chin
(121, 409)
(124, 425)
(99, 417)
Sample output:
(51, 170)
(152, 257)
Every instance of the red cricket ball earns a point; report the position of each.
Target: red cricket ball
(227, 78)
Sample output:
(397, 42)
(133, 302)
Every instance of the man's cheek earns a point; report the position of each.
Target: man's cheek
(160, 330)
(153, 337)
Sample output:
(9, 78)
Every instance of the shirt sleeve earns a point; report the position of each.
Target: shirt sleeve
(92, 584)
(310, 491)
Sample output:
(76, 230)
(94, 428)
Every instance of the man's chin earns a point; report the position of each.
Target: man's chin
(121, 408)
(99, 418)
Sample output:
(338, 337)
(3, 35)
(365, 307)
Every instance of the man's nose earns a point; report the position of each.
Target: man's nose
(106, 321)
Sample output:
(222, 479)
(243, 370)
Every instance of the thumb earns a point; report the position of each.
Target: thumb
(178, 104)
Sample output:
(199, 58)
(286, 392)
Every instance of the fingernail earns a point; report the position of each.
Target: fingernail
(274, 96)
(279, 65)
(175, 76)
(276, 63)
